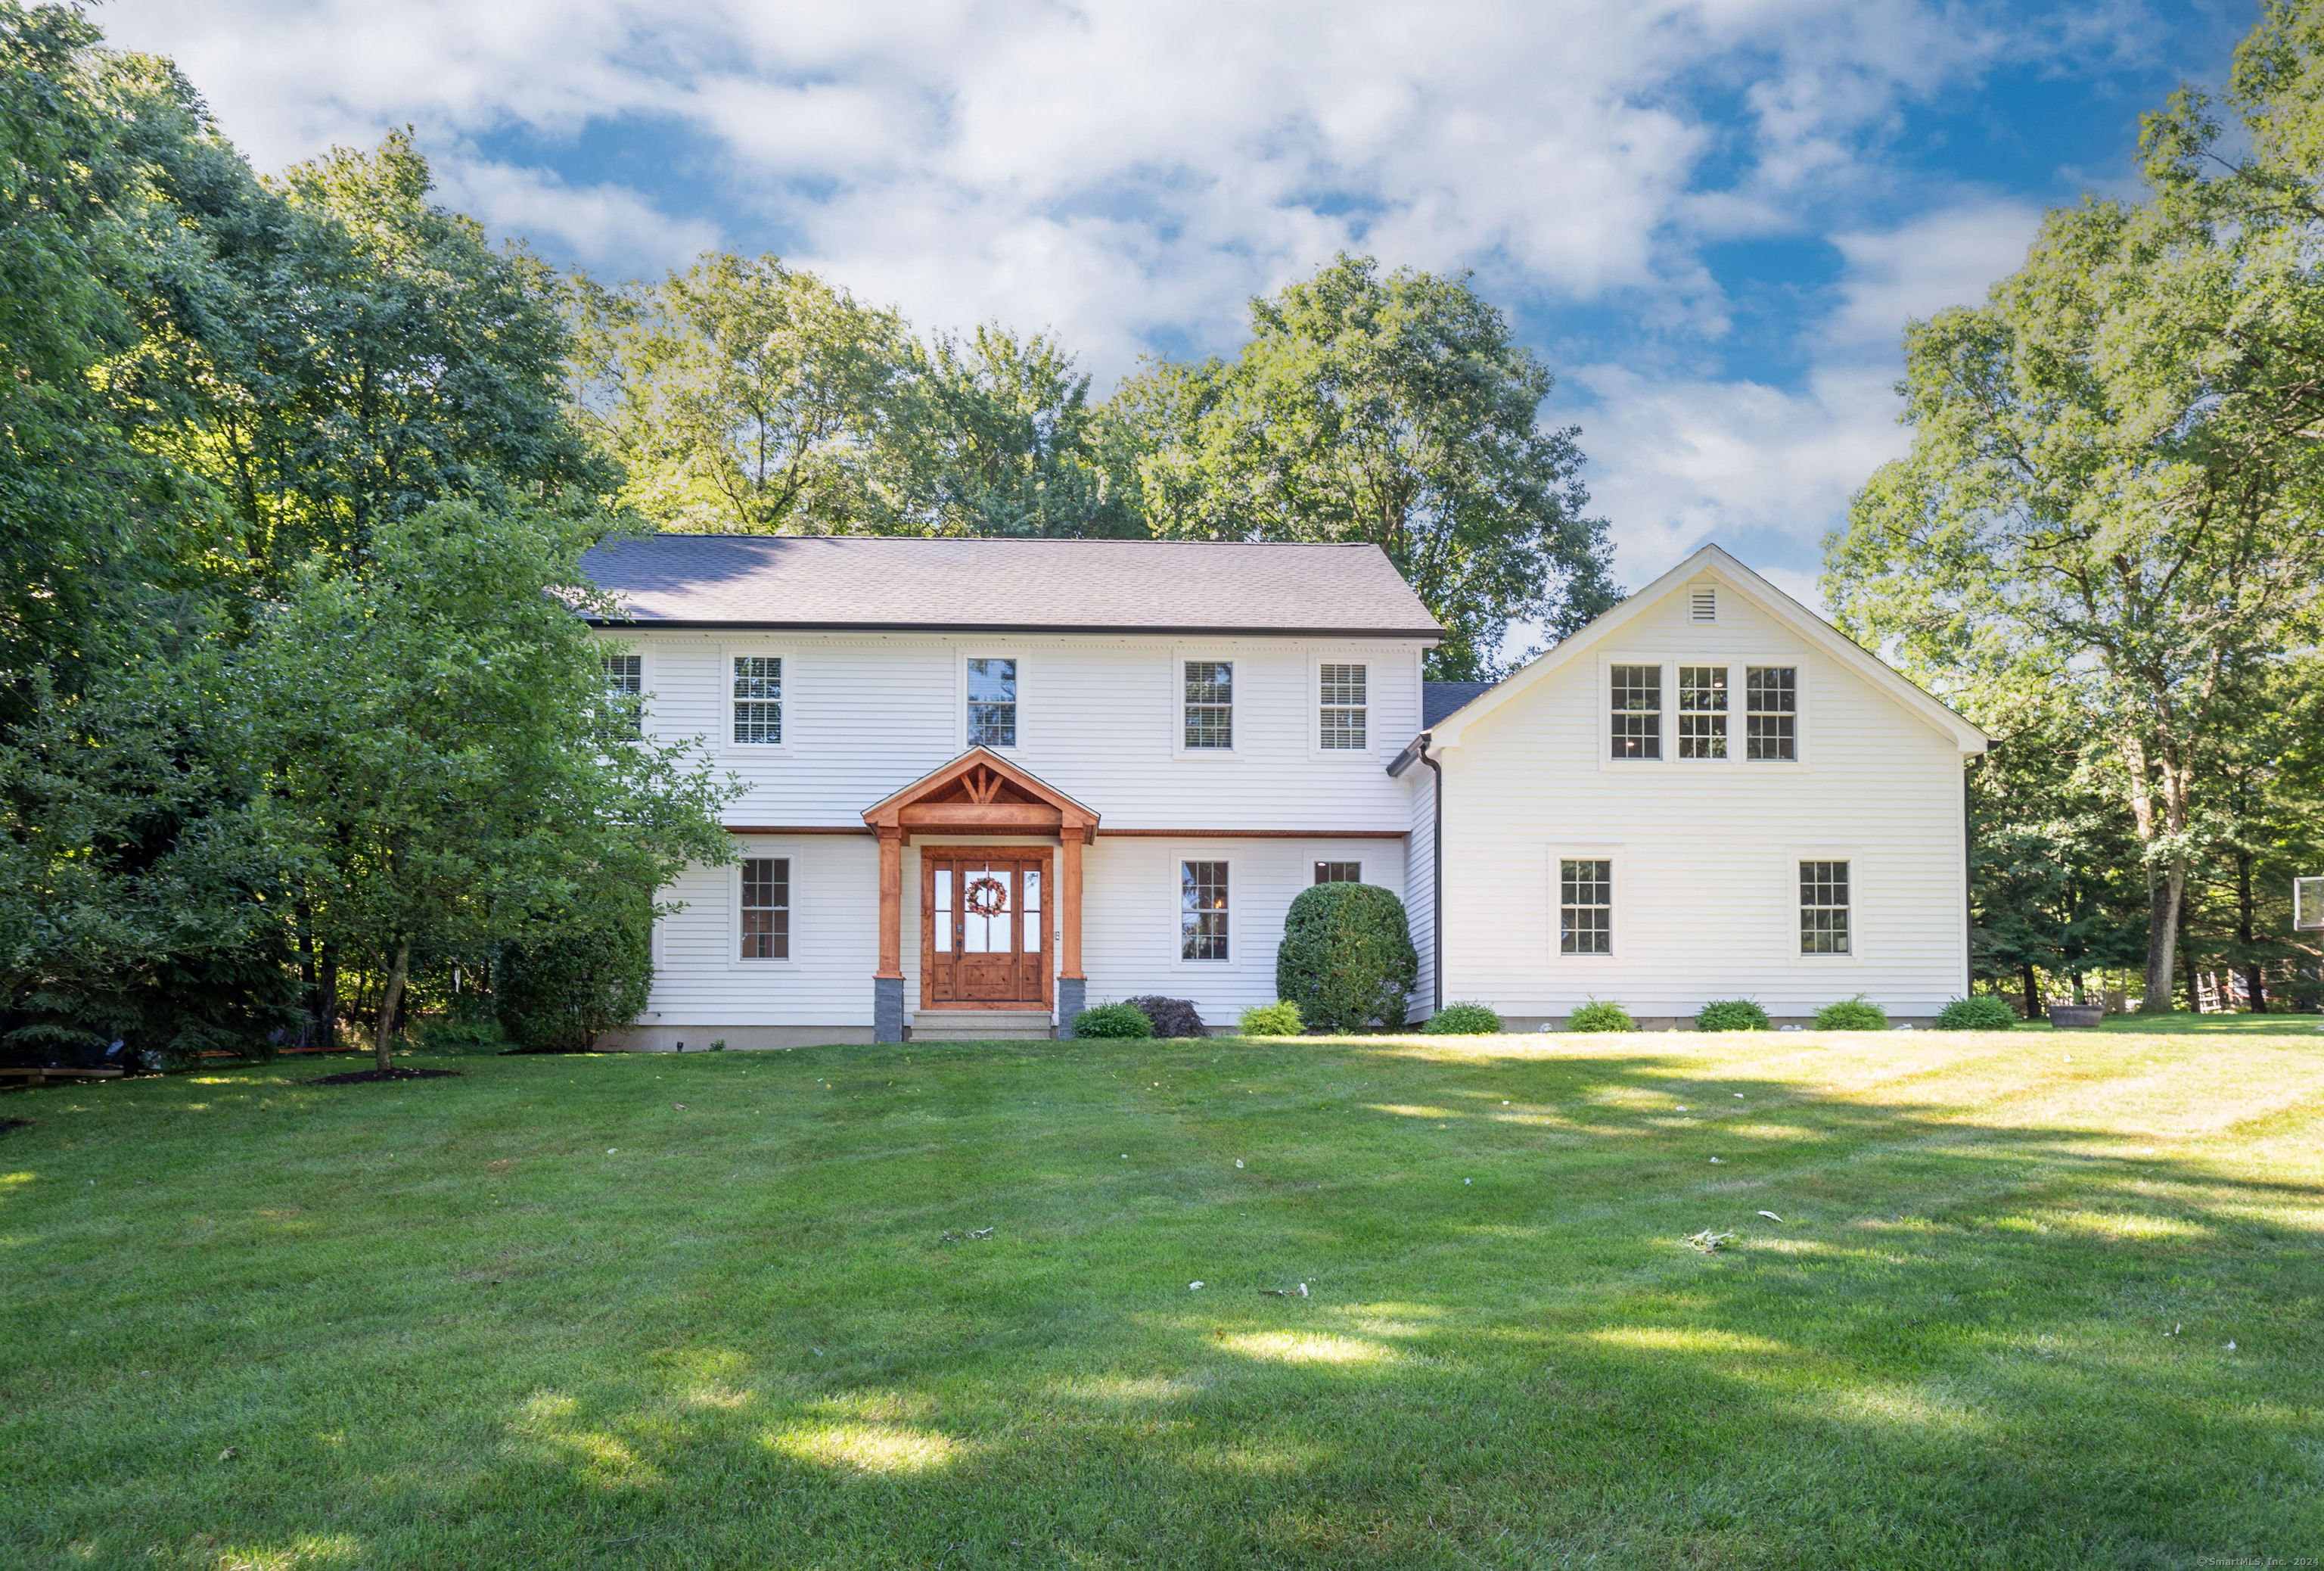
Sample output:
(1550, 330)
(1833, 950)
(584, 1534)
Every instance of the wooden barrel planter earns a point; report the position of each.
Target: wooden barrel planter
(2077, 1016)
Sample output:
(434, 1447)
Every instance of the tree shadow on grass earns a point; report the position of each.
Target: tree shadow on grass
(1963, 1340)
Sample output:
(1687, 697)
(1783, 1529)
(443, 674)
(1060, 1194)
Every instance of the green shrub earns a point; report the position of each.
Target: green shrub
(1346, 958)
(1119, 1023)
(1983, 1012)
(1462, 1020)
(1272, 1020)
(1600, 1016)
(560, 994)
(1852, 1014)
(1731, 1014)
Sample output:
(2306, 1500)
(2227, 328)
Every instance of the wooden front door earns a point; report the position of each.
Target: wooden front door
(984, 940)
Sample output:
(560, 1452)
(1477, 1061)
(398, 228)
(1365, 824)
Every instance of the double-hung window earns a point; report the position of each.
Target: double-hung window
(758, 699)
(1771, 703)
(1201, 910)
(992, 703)
(1585, 906)
(766, 908)
(1702, 711)
(1339, 873)
(1210, 706)
(1823, 907)
(625, 679)
(1637, 710)
(1342, 707)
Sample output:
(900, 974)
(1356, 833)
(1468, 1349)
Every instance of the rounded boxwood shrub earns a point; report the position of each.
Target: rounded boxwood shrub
(560, 994)
(1983, 1012)
(1172, 1017)
(1462, 1020)
(1731, 1014)
(1114, 1022)
(1852, 1014)
(1599, 1015)
(1278, 1019)
(1346, 958)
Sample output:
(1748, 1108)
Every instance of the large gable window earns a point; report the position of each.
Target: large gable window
(1823, 907)
(1343, 706)
(758, 699)
(1201, 910)
(992, 703)
(1210, 706)
(1771, 722)
(1637, 706)
(766, 908)
(1702, 711)
(1585, 906)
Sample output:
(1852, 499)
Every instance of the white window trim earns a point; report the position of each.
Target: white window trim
(1619, 857)
(727, 746)
(1738, 730)
(750, 848)
(612, 645)
(960, 693)
(1853, 856)
(1238, 659)
(1235, 896)
(1316, 661)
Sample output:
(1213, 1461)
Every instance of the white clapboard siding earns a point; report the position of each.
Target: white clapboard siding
(1706, 854)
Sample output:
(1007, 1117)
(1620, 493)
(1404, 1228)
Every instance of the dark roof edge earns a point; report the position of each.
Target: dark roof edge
(1111, 629)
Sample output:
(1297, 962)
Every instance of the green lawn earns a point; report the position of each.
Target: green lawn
(703, 1311)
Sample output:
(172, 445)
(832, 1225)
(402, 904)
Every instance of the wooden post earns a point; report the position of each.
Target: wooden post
(891, 905)
(1069, 903)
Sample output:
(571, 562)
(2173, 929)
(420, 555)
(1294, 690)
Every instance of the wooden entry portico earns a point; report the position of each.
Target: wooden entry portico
(990, 892)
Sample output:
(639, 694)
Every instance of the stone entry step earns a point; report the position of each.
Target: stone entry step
(981, 1025)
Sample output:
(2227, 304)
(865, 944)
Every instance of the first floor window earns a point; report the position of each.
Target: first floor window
(1771, 702)
(1343, 706)
(625, 678)
(1637, 703)
(758, 699)
(1210, 704)
(766, 908)
(1585, 907)
(1201, 910)
(1339, 873)
(1702, 711)
(1823, 907)
(992, 703)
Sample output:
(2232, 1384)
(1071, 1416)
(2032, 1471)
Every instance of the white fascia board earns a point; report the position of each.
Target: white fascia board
(1714, 563)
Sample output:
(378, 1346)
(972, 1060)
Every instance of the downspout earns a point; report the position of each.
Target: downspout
(1435, 883)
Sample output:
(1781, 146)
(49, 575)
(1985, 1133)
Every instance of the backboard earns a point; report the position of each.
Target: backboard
(2308, 903)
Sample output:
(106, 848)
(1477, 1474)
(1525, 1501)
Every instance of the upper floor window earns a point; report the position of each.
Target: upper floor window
(1637, 704)
(1339, 873)
(1823, 907)
(1702, 711)
(766, 908)
(992, 703)
(1343, 706)
(1201, 910)
(625, 679)
(1210, 707)
(1771, 712)
(1585, 907)
(759, 699)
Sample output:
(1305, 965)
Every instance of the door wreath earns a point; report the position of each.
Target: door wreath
(986, 896)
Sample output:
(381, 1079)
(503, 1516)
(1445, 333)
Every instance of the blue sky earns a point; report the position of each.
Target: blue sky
(1712, 219)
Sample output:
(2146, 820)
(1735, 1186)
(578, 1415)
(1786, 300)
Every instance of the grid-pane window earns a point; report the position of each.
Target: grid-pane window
(1702, 711)
(1637, 703)
(766, 908)
(1201, 910)
(1210, 704)
(1585, 907)
(1771, 702)
(625, 679)
(1343, 706)
(1823, 907)
(759, 699)
(992, 703)
(1339, 873)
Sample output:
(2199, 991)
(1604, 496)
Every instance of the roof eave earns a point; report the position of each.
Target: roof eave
(987, 628)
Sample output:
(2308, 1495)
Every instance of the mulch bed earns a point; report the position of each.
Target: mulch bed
(373, 1077)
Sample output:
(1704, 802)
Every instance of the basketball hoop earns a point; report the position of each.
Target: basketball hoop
(2308, 903)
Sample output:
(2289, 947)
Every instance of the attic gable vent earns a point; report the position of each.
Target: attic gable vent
(1706, 605)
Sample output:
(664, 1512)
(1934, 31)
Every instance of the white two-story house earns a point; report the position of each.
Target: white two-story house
(990, 780)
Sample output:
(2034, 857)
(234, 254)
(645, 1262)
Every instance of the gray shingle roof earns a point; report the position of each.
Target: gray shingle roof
(1438, 699)
(1049, 586)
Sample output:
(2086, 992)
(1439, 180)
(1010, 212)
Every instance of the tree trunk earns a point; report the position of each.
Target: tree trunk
(2255, 986)
(326, 990)
(2162, 938)
(392, 996)
(2032, 993)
